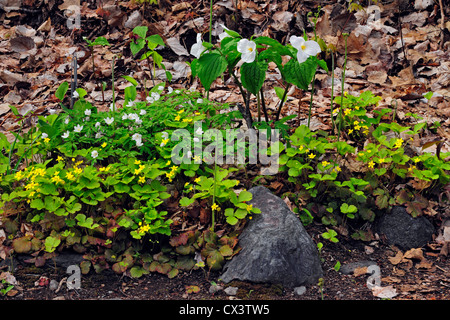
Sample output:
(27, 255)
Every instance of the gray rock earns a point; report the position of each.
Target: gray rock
(348, 268)
(404, 231)
(275, 247)
(53, 285)
(231, 291)
(66, 259)
(300, 290)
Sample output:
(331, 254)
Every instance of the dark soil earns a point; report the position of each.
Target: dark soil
(414, 283)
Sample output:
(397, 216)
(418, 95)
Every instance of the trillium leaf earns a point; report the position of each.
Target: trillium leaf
(209, 67)
(253, 76)
(298, 74)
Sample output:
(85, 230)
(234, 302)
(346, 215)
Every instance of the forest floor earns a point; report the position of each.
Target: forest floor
(32, 70)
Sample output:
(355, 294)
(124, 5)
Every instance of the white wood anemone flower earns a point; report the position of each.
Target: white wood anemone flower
(305, 48)
(248, 50)
(198, 48)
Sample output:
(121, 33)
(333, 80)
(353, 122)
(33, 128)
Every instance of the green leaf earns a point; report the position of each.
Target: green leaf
(209, 67)
(51, 243)
(130, 79)
(61, 91)
(253, 76)
(141, 31)
(298, 74)
(185, 202)
(244, 196)
(154, 41)
(100, 41)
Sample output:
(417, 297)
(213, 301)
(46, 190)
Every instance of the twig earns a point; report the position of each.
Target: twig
(442, 24)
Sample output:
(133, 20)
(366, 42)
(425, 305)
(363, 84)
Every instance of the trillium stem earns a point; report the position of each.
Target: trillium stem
(263, 104)
(332, 92)
(311, 101)
(282, 101)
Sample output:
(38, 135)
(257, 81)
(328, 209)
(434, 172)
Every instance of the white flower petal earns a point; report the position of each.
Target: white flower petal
(301, 56)
(297, 42)
(312, 48)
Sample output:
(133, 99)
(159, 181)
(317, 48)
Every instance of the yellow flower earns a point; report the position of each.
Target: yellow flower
(187, 120)
(249, 207)
(357, 127)
(197, 158)
(19, 175)
(416, 160)
(398, 143)
(177, 118)
(57, 179)
(350, 131)
(78, 170)
(70, 176)
(46, 140)
(137, 161)
(411, 168)
(347, 112)
(181, 111)
(104, 144)
(325, 163)
(174, 168)
(356, 122)
(381, 160)
(357, 107)
(300, 148)
(168, 163)
(197, 113)
(141, 179)
(186, 184)
(311, 156)
(197, 180)
(191, 188)
(215, 207)
(371, 164)
(59, 159)
(337, 169)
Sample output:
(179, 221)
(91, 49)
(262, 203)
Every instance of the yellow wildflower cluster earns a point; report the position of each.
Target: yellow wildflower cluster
(143, 228)
(170, 175)
(138, 171)
(215, 207)
(398, 143)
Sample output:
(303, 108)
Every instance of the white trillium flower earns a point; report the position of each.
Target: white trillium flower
(198, 48)
(65, 135)
(44, 135)
(305, 48)
(77, 128)
(87, 112)
(109, 120)
(139, 143)
(75, 95)
(223, 35)
(248, 50)
(94, 154)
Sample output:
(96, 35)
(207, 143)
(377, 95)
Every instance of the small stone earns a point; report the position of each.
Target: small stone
(349, 268)
(215, 288)
(300, 290)
(53, 285)
(231, 291)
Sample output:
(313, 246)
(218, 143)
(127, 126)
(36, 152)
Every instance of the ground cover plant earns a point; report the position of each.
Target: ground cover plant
(114, 183)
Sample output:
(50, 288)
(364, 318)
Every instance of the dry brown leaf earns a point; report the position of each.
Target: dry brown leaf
(384, 292)
(415, 253)
(359, 271)
(396, 259)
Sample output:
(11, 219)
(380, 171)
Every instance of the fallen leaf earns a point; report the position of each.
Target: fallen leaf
(384, 292)
(359, 271)
(396, 259)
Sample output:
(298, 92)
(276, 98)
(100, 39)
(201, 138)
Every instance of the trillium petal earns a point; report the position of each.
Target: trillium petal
(297, 42)
(301, 56)
(312, 48)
